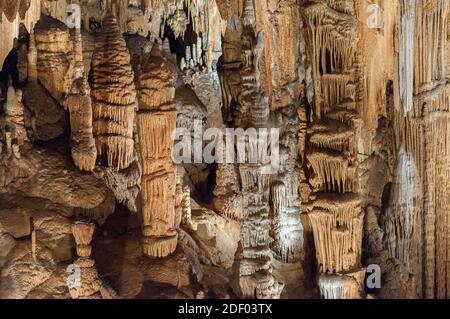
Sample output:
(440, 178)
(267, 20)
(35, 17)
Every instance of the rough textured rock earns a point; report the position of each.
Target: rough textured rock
(355, 176)
(113, 96)
(78, 102)
(45, 119)
(156, 121)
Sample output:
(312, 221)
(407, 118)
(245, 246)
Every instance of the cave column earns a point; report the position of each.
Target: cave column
(156, 122)
(334, 207)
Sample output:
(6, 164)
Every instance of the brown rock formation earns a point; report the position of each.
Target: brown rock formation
(86, 282)
(113, 97)
(335, 211)
(78, 102)
(156, 122)
(347, 193)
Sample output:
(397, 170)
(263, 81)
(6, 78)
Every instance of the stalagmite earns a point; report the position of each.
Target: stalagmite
(321, 168)
(186, 213)
(88, 284)
(113, 97)
(84, 152)
(14, 110)
(156, 121)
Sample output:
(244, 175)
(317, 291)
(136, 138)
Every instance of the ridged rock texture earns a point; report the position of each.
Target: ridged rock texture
(156, 121)
(255, 277)
(78, 102)
(113, 96)
(349, 189)
(334, 205)
(84, 282)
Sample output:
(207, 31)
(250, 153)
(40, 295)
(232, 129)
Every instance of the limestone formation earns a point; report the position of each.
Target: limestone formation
(86, 281)
(15, 114)
(255, 270)
(335, 212)
(315, 145)
(45, 119)
(78, 102)
(156, 121)
(113, 96)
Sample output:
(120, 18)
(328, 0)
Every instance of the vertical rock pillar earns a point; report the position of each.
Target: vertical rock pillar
(335, 210)
(255, 267)
(156, 122)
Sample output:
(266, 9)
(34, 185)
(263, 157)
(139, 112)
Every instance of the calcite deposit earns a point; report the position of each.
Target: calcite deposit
(224, 149)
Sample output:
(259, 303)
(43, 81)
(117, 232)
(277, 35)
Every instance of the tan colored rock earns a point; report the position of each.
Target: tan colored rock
(84, 152)
(113, 97)
(20, 274)
(87, 282)
(156, 122)
(14, 110)
(46, 119)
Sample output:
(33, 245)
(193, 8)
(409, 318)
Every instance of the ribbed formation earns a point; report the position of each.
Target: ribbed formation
(85, 282)
(113, 97)
(78, 102)
(255, 270)
(334, 207)
(419, 209)
(156, 121)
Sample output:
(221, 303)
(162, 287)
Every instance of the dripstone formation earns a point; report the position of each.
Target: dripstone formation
(224, 149)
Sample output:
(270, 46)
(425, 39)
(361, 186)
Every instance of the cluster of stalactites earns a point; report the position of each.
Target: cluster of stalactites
(430, 54)
(113, 97)
(334, 206)
(341, 286)
(178, 14)
(333, 38)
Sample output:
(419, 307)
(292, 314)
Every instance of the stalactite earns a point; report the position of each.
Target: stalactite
(84, 152)
(32, 58)
(401, 220)
(341, 287)
(156, 121)
(417, 212)
(113, 96)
